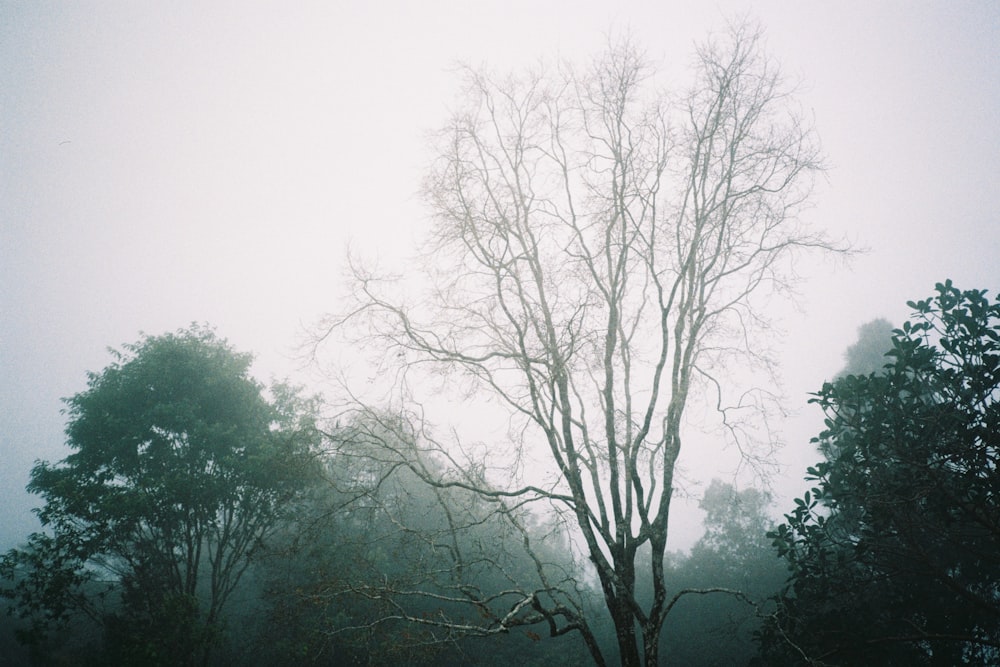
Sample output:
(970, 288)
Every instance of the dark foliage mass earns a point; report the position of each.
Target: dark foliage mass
(895, 554)
(180, 468)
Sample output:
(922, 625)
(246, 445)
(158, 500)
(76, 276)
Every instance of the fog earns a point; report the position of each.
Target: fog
(161, 165)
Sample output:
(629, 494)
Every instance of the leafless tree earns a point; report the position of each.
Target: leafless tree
(598, 258)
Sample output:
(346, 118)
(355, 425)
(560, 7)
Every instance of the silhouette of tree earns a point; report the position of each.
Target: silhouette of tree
(895, 554)
(179, 470)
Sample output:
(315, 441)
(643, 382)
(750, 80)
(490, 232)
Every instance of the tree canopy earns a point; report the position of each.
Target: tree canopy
(895, 553)
(179, 470)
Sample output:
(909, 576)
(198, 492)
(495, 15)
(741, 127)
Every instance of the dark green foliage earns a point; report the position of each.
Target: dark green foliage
(180, 467)
(895, 554)
(12, 652)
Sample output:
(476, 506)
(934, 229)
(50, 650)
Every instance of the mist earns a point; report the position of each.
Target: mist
(163, 166)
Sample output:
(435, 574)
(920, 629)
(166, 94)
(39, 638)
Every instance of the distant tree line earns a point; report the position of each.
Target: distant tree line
(203, 519)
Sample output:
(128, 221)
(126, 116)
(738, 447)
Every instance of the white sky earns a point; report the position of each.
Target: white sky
(163, 163)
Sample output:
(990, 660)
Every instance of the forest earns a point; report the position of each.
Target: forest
(601, 257)
(205, 519)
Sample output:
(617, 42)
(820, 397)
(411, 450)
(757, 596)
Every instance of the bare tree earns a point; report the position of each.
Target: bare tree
(598, 254)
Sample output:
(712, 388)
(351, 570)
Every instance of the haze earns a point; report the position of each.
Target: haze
(164, 164)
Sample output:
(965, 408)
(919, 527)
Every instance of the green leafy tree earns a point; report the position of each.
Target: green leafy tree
(736, 524)
(867, 355)
(180, 468)
(727, 577)
(895, 554)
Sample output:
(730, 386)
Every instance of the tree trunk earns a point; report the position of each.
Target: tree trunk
(628, 649)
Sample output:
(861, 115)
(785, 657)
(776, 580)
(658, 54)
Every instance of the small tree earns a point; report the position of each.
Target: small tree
(598, 253)
(179, 471)
(895, 554)
(733, 553)
(868, 354)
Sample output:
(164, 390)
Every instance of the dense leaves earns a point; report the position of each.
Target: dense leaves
(895, 554)
(180, 467)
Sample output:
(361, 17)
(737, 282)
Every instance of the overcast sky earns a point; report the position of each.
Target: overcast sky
(163, 163)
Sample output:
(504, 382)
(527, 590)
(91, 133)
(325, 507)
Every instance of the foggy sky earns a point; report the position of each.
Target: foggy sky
(168, 163)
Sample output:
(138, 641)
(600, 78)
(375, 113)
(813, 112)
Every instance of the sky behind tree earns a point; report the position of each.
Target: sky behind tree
(170, 163)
